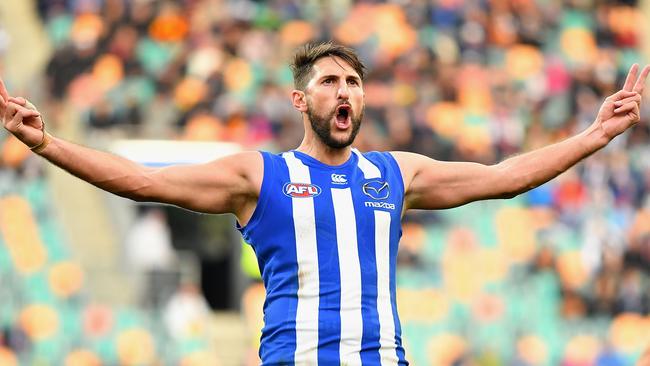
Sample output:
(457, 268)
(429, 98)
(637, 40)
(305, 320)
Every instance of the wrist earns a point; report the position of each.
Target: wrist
(594, 138)
(47, 138)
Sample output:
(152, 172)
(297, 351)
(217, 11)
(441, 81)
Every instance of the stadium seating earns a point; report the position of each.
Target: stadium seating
(556, 276)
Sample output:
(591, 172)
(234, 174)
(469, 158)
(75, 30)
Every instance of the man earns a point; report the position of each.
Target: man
(324, 219)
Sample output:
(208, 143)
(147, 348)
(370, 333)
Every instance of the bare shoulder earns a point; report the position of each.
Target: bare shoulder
(250, 166)
(247, 161)
(246, 164)
(409, 164)
(252, 163)
(407, 158)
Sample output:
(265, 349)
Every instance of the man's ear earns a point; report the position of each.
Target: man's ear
(299, 100)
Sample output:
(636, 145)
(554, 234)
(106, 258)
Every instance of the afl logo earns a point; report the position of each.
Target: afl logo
(301, 190)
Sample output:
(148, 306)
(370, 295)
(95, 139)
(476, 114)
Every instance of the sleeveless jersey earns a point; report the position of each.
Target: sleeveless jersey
(326, 241)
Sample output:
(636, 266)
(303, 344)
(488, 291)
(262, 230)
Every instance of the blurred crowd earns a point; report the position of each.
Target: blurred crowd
(454, 80)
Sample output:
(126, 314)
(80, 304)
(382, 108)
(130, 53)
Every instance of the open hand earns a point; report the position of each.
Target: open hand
(20, 118)
(621, 110)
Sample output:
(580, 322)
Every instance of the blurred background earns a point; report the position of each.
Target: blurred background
(556, 276)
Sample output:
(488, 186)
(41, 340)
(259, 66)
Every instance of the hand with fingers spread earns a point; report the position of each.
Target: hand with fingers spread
(621, 110)
(21, 119)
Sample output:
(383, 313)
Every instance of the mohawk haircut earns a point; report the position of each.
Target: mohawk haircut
(307, 55)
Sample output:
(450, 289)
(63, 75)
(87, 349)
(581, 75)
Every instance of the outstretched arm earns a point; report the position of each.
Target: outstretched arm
(227, 185)
(432, 184)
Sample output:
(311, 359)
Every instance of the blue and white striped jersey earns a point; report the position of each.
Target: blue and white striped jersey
(326, 240)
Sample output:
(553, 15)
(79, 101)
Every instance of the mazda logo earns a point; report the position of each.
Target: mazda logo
(376, 189)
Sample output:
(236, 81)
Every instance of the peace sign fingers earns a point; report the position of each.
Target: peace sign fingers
(640, 83)
(3, 91)
(631, 78)
(634, 82)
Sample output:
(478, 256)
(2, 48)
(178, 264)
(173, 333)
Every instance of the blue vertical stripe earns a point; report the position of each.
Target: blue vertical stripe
(395, 235)
(329, 319)
(371, 345)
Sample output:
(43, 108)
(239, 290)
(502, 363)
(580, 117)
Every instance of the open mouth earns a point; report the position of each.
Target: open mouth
(342, 115)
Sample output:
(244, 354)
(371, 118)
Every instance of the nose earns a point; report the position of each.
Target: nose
(343, 91)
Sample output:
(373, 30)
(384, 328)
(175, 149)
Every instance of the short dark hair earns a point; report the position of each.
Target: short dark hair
(307, 55)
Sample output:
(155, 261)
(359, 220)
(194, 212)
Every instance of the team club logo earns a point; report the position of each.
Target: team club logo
(301, 190)
(376, 189)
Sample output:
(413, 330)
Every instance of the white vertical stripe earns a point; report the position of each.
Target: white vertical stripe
(388, 350)
(350, 268)
(307, 256)
(369, 169)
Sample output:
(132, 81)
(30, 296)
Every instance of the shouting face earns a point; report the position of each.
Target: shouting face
(334, 102)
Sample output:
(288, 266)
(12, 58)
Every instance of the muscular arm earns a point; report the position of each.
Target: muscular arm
(227, 185)
(224, 185)
(432, 184)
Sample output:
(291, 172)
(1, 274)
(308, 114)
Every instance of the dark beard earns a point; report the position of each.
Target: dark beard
(321, 125)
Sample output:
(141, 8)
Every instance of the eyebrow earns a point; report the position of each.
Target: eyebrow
(347, 77)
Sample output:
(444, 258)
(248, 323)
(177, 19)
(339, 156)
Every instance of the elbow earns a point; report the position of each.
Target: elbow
(511, 191)
(141, 188)
(512, 185)
(509, 195)
(518, 186)
(138, 196)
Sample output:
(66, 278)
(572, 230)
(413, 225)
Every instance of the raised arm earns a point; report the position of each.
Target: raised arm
(432, 184)
(227, 185)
